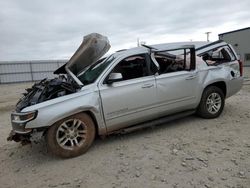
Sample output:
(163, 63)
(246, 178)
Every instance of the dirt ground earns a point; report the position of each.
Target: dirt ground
(190, 152)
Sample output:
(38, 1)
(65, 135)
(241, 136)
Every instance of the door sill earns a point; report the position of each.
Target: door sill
(153, 123)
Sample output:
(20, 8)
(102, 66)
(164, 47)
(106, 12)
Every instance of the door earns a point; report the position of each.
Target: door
(177, 84)
(177, 91)
(131, 100)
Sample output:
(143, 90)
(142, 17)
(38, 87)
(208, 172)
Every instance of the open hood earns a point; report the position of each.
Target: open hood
(93, 47)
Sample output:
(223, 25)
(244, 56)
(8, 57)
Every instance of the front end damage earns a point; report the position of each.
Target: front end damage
(92, 48)
(39, 92)
(23, 138)
(46, 90)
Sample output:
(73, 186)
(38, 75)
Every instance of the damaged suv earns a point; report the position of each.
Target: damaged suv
(125, 91)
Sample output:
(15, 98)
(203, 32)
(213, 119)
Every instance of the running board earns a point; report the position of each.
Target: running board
(155, 122)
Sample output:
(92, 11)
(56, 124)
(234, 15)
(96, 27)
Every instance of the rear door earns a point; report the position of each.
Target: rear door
(177, 84)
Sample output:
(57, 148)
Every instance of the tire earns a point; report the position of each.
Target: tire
(71, 136)
(212, 103)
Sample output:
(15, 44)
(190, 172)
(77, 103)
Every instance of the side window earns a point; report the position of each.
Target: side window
(132, 67)
(218, 56)
(172, 63)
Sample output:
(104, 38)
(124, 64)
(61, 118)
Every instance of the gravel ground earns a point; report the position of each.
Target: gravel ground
(190, 152)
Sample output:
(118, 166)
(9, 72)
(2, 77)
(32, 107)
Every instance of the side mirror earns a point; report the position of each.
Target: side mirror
(114, 77)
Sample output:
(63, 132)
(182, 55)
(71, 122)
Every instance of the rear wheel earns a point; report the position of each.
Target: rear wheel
(71, 136)
(212, 103)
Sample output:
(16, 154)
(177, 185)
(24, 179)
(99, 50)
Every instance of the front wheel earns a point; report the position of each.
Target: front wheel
(72, 136)
(212, 103)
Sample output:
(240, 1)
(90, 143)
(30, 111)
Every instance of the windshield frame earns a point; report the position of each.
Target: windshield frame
(106, 61)
(73, 76)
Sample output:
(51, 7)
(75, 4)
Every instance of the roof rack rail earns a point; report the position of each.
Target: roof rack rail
(175, 48)
(149, 47)
(210, 44)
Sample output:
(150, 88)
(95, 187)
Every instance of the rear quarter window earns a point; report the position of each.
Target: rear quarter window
(218, 56)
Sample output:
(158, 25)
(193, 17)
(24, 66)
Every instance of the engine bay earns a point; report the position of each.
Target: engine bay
(47, 89)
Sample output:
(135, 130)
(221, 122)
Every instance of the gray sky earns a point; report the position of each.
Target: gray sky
(53, 29)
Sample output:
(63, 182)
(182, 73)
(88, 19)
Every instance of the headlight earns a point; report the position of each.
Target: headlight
(16, 118)
(23, 117)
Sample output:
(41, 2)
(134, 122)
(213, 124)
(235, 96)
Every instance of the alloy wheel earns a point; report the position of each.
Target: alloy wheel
(71, 133)
(213, 103)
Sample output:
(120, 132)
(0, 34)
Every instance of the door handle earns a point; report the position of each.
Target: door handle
(147, 86)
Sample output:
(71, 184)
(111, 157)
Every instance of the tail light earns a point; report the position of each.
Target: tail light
(241, 67)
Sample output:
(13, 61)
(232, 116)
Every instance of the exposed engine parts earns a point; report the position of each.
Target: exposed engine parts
(45, 90)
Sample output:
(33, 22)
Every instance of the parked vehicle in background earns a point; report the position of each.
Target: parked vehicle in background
(128, 90)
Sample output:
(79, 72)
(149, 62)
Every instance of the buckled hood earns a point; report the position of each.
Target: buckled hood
(92, 48)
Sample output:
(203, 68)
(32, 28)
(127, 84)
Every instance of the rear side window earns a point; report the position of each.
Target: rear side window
(230, 52)
(178, 60)
(218, 56)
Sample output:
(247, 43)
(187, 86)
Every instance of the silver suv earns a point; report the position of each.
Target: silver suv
(127, 90)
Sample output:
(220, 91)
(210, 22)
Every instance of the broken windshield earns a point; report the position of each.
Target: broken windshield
(92, 72)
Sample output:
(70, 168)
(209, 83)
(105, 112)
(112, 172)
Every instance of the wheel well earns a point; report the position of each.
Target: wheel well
(94, 120)
(87, 112)
(221, 85)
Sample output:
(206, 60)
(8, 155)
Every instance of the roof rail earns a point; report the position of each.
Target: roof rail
(149, 47)
(153, 49)
(210, 44)
(175, 48)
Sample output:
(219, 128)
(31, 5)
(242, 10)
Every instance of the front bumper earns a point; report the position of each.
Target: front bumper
(20, 128)
(19, 121)
(24, 138)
